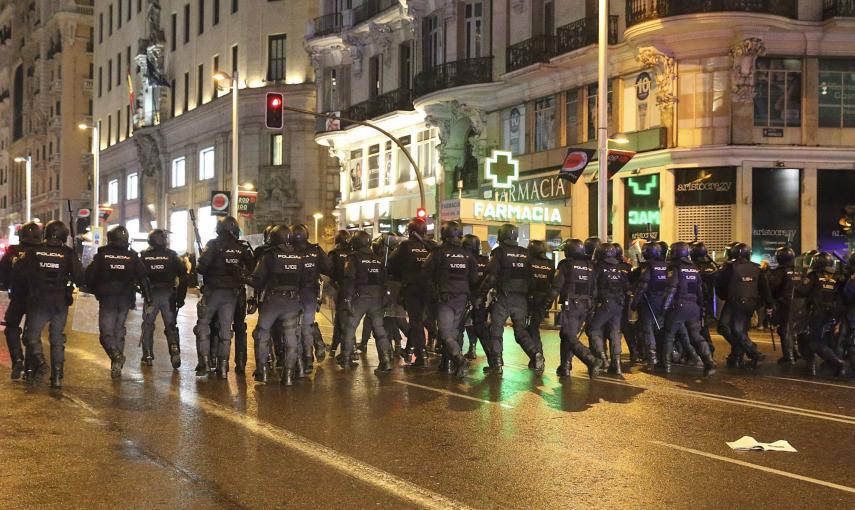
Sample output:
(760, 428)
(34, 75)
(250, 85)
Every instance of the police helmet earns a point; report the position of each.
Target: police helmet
(451, 231)
(280, 234)
(591, 245)
(822, 262)
(742, 252)
(416, 226)
(730, 250)
(266, 234)
(785, 256)
(618, 251)
(651, 251)
(663, 248)
(157, 238)
(699, 252)
(538, 248)
(299, 234)
(56, 230)
(575, 249)
(30, 233)
(472, 243)
(508, 233)
(680, 251)
(228, 226)
(360, 239)
(607, 252)
(118, 237)
(342, 237)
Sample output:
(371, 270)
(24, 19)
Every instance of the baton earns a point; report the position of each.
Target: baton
(650, 308)
(772, 332)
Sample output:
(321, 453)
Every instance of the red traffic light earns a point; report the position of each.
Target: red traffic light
(273, 118)
(421, 213)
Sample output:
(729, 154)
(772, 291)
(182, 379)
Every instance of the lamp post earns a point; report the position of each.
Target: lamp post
(29, 184)
(221, 77)
(94, 215)
(603, 122)
(317, 217)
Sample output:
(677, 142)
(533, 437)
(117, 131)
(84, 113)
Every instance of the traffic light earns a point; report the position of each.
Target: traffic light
(421, 213)
(275, 102)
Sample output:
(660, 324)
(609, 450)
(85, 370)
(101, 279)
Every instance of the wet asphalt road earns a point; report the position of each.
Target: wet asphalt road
(164, 439)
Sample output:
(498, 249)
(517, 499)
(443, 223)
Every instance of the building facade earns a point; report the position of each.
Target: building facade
(45, 91)
(739, 113)
(165, 121)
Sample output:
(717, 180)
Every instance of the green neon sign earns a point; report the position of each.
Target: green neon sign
(643, 217)
(648, 187)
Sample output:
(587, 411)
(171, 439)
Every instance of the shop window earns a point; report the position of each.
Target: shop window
(373, 166)
(387, 164)
(544, 124)
(406, 173)
(775, 211)
(837, 93)
(778, 86)
(513, 129)
(355, 170)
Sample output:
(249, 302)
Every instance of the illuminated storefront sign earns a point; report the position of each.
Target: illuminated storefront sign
(537, 189)
(511, 212)
(642, 208)
(502, 169)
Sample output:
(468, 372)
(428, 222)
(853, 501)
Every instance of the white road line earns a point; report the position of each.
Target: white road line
(453, 394)
(329, 457)
(806, 381)
(758, 467)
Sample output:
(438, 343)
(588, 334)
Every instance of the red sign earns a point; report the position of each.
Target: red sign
(618, 159)
(246, 203)
(84, 213)
(220, 202)
(574, 164)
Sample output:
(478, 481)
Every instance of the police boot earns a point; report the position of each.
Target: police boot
(812, 366)
(240, 363)
(222, 368)
(564, 365)
(385, 363)
(213, 364)
(594, 364)
(308, 365)
(651, 360)
(287, 377)
(614, 368)
(18, 368)
(147, 357)
(421, 359)
(345, 359)
(461, 366)
(709, 364)
(756, 358)
(787, 359)
(472, 352)
(261, 374)
(203, 367)
(117, 361)
(444, 364)
(539, 363)
(36, 368)
(56, 375)
(300, 370)
(175, 355)
(494, 366)
(320, 346)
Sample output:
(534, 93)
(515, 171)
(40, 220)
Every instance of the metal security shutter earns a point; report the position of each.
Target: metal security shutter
(714, 221)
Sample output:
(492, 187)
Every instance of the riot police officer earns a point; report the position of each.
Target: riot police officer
(591, 245)
(478, 330)
(574, 286)
(314, 263)
(649, 300)
(509, 273)
(167, 276)
(454, 272)
(224, 264)
(628, 327)
(48, 270)
(822, 289)
(789, 308)
(725, 318)
(338, 256)
(709, 275)
(540, 289)
(277, 341)
(114, 275)
(683, 301)
(365, 294)
(30, 236)
(278, 276)
(745, 288)
(611, 288)
(405, 266)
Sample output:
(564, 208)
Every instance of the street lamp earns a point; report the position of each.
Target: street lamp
(94, 215)
(222, 77)
(29, 183)
(317, 217)
(603, 122)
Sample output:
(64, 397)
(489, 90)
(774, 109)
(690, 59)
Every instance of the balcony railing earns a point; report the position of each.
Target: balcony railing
(539, 48)
(328, 24)
(570, 37)
(454, 74)
(371, 8)
(639, 11)
(838, 8)
(399, 99)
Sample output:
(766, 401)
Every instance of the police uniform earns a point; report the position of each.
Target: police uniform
(314, 263)
(542, 273)
(167, 277)
(612, 285)
(789, 307)
(30, 236)
(649, 299)
(338, 257)
(479, 329)
(823, 291)
(405, 265)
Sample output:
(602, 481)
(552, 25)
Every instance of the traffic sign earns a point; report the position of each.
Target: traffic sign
(220, 203)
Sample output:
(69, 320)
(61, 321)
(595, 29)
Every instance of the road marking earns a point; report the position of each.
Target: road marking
(820, 383)
(325, 455)
(453, 394)
(758, 467)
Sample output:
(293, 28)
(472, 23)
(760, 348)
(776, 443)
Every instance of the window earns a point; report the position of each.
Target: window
(127, 121)
(592, 108)
(100, 80)
(178, 231)
(201, 17)
(172, 94)
(331, 98)
(110, 20)
(405, 67)
(572, 119)
(514, 129)
(544, 123)
(234, 6)
(472, 26)
(276, 57)
(207, 224)
(139, 5)
(119, 69)
(119, 19)
(178, 175)
(109, 130)
(215, 14)
(132, 191)
(173, 42)
(432, 44)
(373, 166)
(186, 92)
(778, 86)
(200, 80)
(109, 75)
(100, 28)
(133, 226)
(374, 78)
(427, 152)
(113, 192)
(277, 149)
(206, 164)
(405, 168)
(836, 93)
(118, 124)
(234, 58)
(214, 68)
(130, 10)
(186, 23)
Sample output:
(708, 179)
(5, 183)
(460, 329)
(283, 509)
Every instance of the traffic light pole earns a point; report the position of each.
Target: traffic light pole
(381, 130)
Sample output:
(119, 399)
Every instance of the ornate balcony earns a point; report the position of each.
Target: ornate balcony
(395, 100)
(639, 11)
(570, 37)
(327, 24)
(371, 8)
(539, 48)
(838, 8)
(454, 74)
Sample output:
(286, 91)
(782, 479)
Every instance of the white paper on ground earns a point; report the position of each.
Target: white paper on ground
(746, 443)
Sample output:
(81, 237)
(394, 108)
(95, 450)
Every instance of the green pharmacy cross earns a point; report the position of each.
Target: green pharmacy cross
(502, 169)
